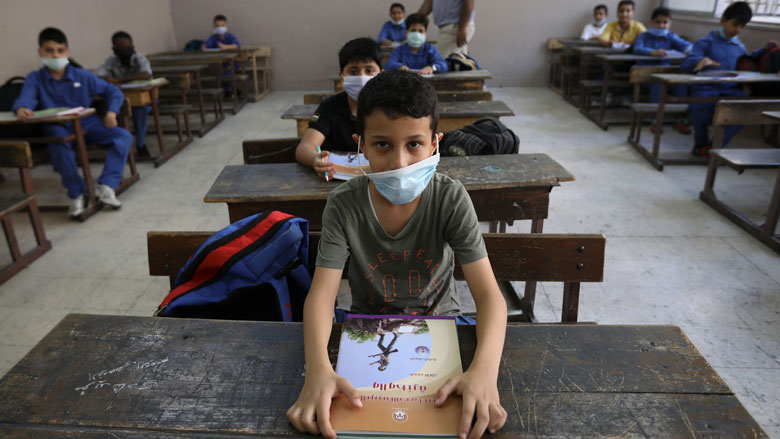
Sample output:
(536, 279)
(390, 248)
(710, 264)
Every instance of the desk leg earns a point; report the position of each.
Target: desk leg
(768, 228)
(659, 120)
(604, 89)
(254, 77)
(81, 150)
(234, 86)
(157, 122)
(529, 297)
(199, 87)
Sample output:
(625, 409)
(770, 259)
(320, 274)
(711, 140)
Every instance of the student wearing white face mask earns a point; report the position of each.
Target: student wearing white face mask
(220, 38)
(593, 30)
(416, 54)
(333, 124)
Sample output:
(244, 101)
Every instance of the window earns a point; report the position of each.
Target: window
(714, 8)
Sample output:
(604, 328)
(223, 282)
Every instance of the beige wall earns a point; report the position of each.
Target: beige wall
(306, 34)
(88, 25)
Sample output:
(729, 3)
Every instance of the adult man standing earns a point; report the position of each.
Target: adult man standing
(455, 20)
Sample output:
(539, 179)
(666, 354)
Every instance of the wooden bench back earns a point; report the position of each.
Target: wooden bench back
(514, 257)
(642, 74)
(443, 96)
(740, 112)
(270, 150)
(15, 154)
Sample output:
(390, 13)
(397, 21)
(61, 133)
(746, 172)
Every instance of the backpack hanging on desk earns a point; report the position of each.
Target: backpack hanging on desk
(9, 92)
(254, 269)
(767, 61)
(485, 136)
(458, 62)
(193, 45)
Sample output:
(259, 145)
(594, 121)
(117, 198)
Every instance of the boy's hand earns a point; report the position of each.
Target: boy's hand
(386, 43)
(221, 46)
(404, 68)
(110, 120)
(311, 412)
(321, 166)
(658, 52)
(23, 114)
(705, 62)
(427, 70)
(480, 399)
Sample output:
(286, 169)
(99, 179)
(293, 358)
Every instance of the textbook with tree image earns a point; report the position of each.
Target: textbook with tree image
(348, 165)
(57, 112)
(398, 364)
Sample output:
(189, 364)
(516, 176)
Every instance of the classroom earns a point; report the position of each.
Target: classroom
(636, 172)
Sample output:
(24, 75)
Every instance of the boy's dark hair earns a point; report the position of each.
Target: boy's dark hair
(601, 6)
(397, 5)
(219, 17)
(52, 34)
(417, 18)
(119, 35)
(627, 2)
(661, 11)
(398, 94)
(360, 49)
(739, 11)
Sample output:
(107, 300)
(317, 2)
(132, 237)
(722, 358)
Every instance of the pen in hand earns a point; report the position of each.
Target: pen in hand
(319, 151)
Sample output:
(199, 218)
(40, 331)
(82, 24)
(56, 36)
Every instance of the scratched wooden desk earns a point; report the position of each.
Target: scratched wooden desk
(193, 74)
(578, 66)
(447, 81)
(452, 115)
(98, 376)
(671, 79)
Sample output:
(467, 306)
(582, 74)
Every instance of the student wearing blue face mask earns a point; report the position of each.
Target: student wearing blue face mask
(220, 38)
(719, 50)
(416, 54)
(592, 31)
(401, 227)
(394, 30)
(660, 41)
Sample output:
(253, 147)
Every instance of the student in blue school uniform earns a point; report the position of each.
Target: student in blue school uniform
(220, 38)
(59, 84)
(127, 65)
(416, 54)
(659, 41)
(719, 50)
(394, 30)
(333, 123)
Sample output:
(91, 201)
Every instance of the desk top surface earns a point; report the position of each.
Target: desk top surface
(293, 181)
(597, 50)
(690, 78)
(446, 109)
(465, 75)
(94, 376)
(188, 68)
(146, 86)
(628, 57)
(774, 115)
(194, 57)
(9, 117)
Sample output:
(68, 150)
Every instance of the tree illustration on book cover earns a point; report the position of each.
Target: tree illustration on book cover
(398, 364)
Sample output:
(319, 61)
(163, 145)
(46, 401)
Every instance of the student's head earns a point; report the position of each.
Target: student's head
(220, 23)
(625, 11)
(53, 48)
(661, 18)
(382, 368)
(734, 18)
(397, 13)
(416, 28)
(599, 13)
(360, 57)
(122, 45)
(396, 120)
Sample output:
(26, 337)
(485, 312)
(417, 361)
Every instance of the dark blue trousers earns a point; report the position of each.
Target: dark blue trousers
(701, 113)
(140, 117)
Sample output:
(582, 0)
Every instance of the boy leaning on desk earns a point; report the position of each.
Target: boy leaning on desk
(402, 224)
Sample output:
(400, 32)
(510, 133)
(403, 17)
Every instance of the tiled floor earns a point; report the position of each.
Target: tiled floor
(670, 258)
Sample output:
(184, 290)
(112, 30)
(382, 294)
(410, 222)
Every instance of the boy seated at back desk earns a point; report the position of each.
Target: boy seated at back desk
(127, 65)
(394, 30)
(719, 50)
(333, 123)
(60, 84)
(220, 38)
(592, 31)
(622, 33)
(416, 54)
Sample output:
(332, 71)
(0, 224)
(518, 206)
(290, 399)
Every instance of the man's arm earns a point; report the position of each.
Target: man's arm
(466, 8)
(426, 7)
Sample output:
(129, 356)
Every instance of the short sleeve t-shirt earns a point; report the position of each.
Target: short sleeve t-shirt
(113, 67)
(410, 273)
(336, 122)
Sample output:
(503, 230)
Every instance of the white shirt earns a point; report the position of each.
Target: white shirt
(591, 31)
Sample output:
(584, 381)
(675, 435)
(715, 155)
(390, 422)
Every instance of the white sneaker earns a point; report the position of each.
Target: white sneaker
(77, 207)
(106, 195)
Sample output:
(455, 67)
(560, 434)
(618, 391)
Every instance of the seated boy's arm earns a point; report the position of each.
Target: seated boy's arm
(697, 53)
(307, 155)
(28, 98)
(605, 39)
(436, 60)
(394, 60)
(640, 46)
(478, 385)
(321, 384)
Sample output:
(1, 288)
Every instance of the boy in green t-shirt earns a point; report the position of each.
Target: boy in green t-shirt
(401, 226)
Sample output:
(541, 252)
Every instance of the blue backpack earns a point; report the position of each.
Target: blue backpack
(255, 269)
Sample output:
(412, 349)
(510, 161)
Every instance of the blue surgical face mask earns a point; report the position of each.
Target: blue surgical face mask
(404, 185)
(658, 32)
(221, 30)
(415, 39)
(600, 22)
(722, 32)
(55, 64)
(353, 84)
(399, 22)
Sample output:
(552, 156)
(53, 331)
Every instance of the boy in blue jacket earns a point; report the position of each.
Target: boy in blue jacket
(659, 41)
(719, 50)
(394, 30)
(59, 84)
(416, 54)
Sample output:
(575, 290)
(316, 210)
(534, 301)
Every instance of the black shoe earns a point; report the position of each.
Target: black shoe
(142, 152)
(696, 151)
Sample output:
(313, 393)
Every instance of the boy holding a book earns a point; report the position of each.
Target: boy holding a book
(401, 226)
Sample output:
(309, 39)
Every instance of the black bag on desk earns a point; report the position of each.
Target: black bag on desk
(486, 136)
(9, 92)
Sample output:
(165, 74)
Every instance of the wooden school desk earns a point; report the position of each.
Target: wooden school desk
(221, 60)
(559, 57)
(97, 376)
(670, 80)
(579, 59)
(447, 81)
(193, 72)
(452, 115)
(261, 73)
(80, 147)
(610, 62)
